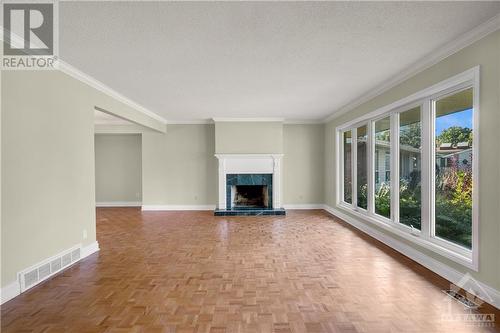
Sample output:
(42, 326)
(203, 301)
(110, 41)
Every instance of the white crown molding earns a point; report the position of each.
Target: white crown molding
(303, 121)
(212, 121)
(261, 119)
(118, 204)
(492, 295)
(429, 60)
(94, 83)
(190, 122)
(424, 63)
(177, 207)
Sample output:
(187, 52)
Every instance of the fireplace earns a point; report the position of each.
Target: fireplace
(249, 196)
(249, 191)
(249, 184)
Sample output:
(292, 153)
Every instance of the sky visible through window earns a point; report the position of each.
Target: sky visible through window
(461, 119)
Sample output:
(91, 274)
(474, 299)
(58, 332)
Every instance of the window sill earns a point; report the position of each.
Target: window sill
(459, 255)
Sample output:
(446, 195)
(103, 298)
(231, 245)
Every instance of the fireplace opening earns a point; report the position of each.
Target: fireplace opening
(249, 196)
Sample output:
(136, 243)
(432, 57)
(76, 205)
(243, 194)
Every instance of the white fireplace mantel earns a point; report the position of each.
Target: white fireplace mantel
(250, 163)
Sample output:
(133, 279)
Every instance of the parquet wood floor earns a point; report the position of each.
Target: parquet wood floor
(193, 272)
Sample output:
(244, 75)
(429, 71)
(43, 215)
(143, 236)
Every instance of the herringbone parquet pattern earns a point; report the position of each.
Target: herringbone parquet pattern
(193, 272)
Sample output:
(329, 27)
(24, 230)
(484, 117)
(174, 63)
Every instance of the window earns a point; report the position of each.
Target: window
(347, 166)
(410, 147)
(453, 172)
(362, 172)
(382, 167)
(410, 167)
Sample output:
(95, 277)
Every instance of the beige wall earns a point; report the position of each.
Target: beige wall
(486, 53)
(48, 185)
(118, 175)
(303, 164)
(179, 167)
(47, 167)
(248, 137)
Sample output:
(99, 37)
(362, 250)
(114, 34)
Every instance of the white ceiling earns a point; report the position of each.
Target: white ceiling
(198, 60)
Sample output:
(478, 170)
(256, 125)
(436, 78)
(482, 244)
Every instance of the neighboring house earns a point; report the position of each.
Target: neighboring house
(409, 160)
(447, 155)
(459, 156)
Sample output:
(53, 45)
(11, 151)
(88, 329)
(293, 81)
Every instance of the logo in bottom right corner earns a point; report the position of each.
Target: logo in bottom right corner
(472, 297)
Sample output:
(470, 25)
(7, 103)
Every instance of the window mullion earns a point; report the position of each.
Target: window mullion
(341, 162)
(354, 167)
(371, 167)
(427, 169)
(394, 173)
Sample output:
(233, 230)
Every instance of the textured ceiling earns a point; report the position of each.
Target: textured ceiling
(198, 60)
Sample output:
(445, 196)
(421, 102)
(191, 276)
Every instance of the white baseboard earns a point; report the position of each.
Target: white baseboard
(490, 294)
(10, 291)
(212, 207)
(178, 207)
(14, 289)
(118, 204)
(89, 249)
(303, 206)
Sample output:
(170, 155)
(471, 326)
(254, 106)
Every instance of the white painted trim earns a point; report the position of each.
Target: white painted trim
(424, 63)
(303, 206)
(260, 119)
(303, 121)
(10, 291)
(394, 172)
(120, 129)
(286, 121)
(87, 250)
(14, 289)
(190, 122)
(118, 204)
(412, 235)
(434, 265)
(94, 83)
(176, 207)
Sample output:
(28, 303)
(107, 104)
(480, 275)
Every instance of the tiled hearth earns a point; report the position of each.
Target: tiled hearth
(256, 175)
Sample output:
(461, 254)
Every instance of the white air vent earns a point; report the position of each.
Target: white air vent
(55, 265)
(75, 255)
(45, 269)
(66, 259)
(31, 277)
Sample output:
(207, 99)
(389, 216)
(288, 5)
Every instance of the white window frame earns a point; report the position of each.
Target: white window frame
(354, 167)
(342, 171)
(425, 99)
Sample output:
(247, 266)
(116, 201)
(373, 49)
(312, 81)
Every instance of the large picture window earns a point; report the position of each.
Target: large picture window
(410, 167)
